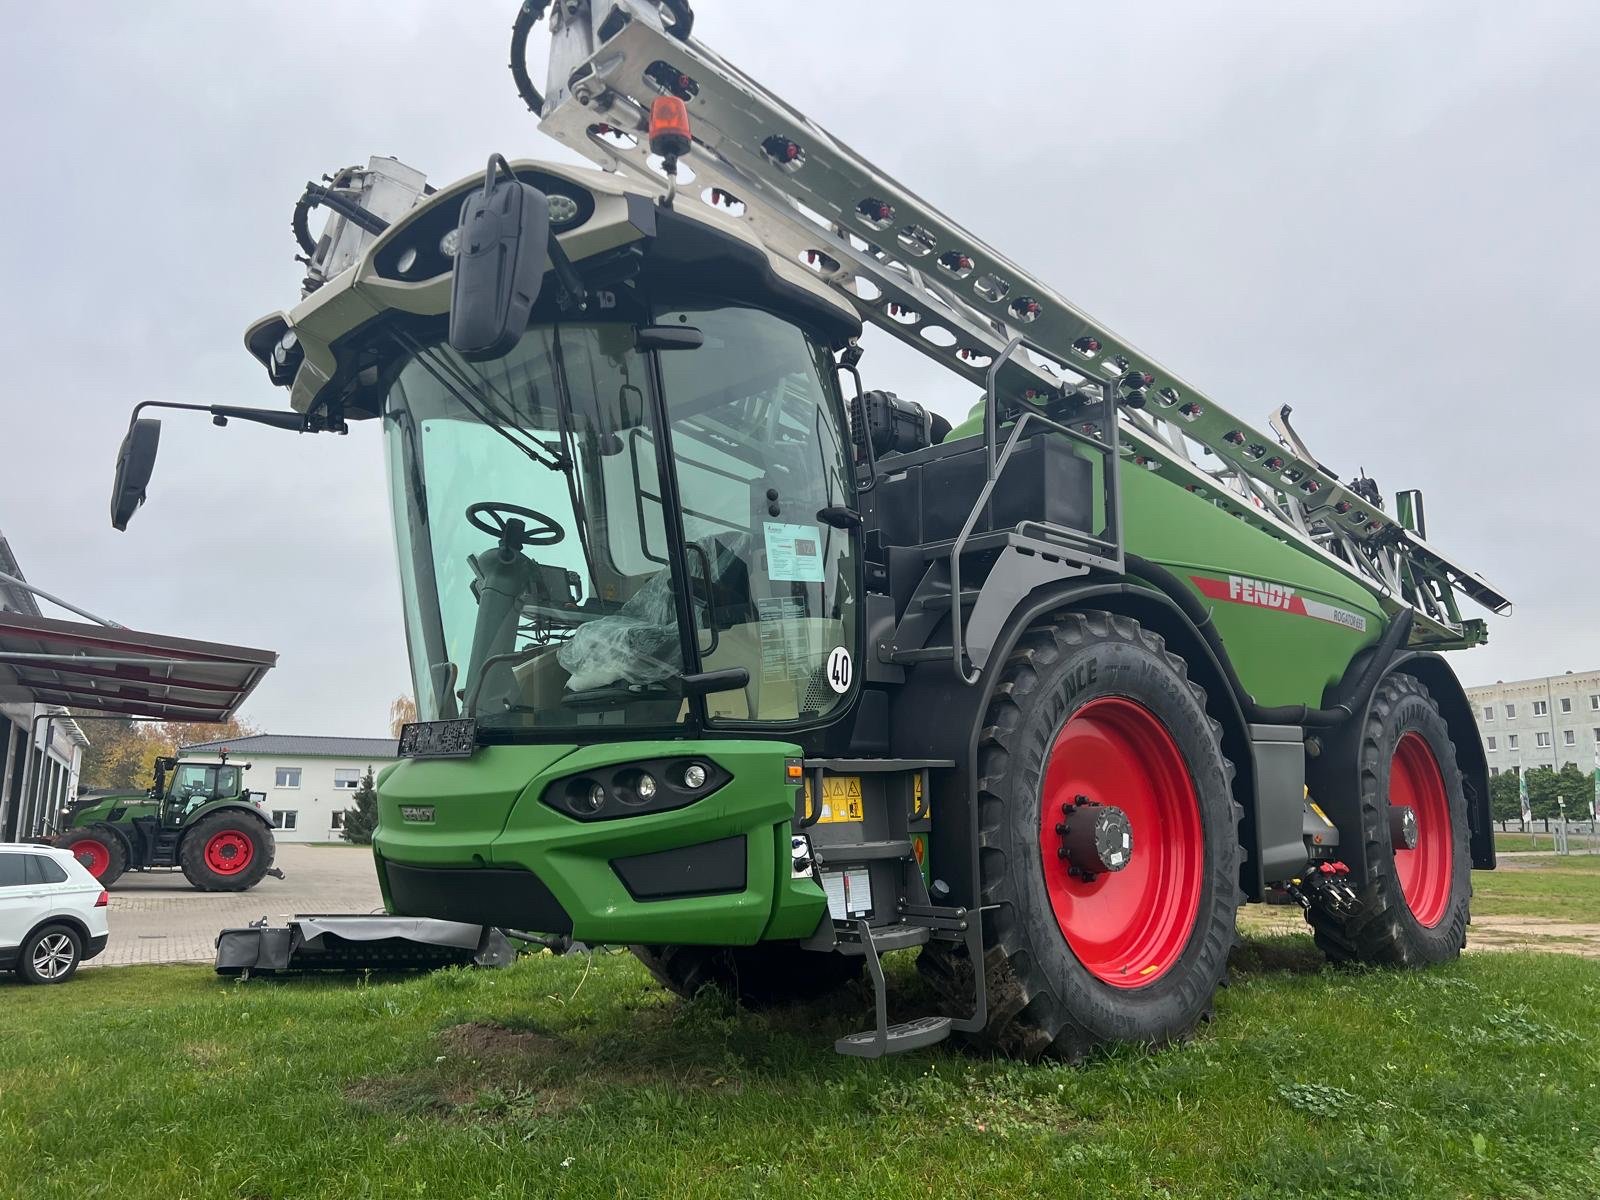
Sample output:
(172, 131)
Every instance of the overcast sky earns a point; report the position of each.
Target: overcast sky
(1384, 214)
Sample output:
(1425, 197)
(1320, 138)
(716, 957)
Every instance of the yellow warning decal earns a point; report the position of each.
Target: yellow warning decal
(841, 798)
(1317, 808)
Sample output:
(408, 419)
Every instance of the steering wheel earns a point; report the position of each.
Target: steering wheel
(504, 522)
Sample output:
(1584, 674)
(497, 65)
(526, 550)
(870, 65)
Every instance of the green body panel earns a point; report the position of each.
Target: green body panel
(1281, 657)
(487, 812)
(135, 804)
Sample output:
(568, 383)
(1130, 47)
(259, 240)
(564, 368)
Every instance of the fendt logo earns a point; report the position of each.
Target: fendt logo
(1260, 593)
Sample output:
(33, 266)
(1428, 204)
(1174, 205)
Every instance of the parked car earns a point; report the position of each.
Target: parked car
(52, 913)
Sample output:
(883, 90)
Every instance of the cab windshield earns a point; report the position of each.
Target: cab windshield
(195, 781)
(566, 561)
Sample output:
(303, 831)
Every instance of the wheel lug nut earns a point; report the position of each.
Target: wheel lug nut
(1060, 827)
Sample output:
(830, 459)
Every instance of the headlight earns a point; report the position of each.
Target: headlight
(449, 242)
(631, 789)
(407, 260)
(563, 210)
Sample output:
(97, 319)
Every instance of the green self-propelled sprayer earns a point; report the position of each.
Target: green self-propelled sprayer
(719, 655)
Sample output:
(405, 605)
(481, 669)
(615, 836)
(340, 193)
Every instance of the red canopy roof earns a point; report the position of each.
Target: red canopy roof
(120, 671)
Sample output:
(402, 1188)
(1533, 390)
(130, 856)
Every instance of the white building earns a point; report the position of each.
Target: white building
(308, 781)
(1546, 722)
(33, 786)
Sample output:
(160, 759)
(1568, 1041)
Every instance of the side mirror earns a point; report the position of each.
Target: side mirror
(669, 337)
(502, 253)
(135, 462)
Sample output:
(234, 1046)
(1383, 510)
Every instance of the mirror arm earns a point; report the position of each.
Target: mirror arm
(222, 413)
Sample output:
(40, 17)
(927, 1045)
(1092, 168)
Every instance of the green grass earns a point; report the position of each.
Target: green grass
(567, 1077)
(1538, 840)
(1562, 888)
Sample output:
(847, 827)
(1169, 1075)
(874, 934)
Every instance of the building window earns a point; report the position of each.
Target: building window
(286, 777)
(1541, 739)
(1566, 704)
(1540, 708)
(1594, 703)
(1494, 770)
(1569, 737)
(283, 819)
(1511, 711)
(347, 778)
(338, 820)
(1511, 741)
(1488, 712)
(1491, 743)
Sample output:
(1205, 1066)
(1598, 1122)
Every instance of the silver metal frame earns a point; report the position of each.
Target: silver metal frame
(919, 276)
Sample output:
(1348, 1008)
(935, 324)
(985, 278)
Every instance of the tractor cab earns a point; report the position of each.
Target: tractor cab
(183, 786)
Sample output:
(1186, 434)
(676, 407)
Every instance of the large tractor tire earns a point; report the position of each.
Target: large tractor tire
(1413, 909)
(1093, 724)
(759, 976)
(103, 853)
(227, 852)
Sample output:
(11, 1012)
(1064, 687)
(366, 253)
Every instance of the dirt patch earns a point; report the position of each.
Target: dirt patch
(481, 1039)
(1487, 933)
(487, 1072)
(1534, 933)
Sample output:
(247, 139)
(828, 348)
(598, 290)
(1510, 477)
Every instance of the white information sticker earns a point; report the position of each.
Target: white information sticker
(849, 893)
(794, 552)
(840, 669)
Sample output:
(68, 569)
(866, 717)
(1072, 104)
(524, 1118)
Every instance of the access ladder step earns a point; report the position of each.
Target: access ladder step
(896, 1039)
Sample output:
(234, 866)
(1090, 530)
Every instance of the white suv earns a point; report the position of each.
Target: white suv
(52, 913)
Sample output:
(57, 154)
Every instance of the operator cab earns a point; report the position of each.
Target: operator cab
(592, 527)
(192, 784)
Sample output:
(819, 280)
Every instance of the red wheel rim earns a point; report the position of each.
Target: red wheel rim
(1425, 872)
(96, 859)
(229, 852)
(1127, 927)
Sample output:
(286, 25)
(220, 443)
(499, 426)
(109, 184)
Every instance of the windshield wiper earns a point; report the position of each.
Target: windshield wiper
(486, 404)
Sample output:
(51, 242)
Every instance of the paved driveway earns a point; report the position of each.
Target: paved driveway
(156, 917)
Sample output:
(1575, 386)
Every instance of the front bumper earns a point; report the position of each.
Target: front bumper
(717, 872)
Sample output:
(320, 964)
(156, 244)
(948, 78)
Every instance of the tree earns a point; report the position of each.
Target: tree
(122, 754)
(361, 818)
(1545, 785)
(401, 713)
(1503, 802)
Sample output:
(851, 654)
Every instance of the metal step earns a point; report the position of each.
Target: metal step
(888, 938)
(895, 1039)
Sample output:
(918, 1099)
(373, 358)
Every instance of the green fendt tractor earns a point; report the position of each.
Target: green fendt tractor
(719, 655)
(196, 816)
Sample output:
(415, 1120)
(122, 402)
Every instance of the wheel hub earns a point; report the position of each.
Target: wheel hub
(1404, 830)
(1096, 839)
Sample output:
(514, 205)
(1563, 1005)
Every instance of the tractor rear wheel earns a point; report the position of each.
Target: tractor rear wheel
(102, 853)
(1414, 908)
(1109, 846)
(759, 976)
(226, 852)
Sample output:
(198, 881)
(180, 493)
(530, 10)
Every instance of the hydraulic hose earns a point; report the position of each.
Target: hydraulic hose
(1350, 697)
(532, 12)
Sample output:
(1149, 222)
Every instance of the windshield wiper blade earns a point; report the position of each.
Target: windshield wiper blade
(482, 404)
